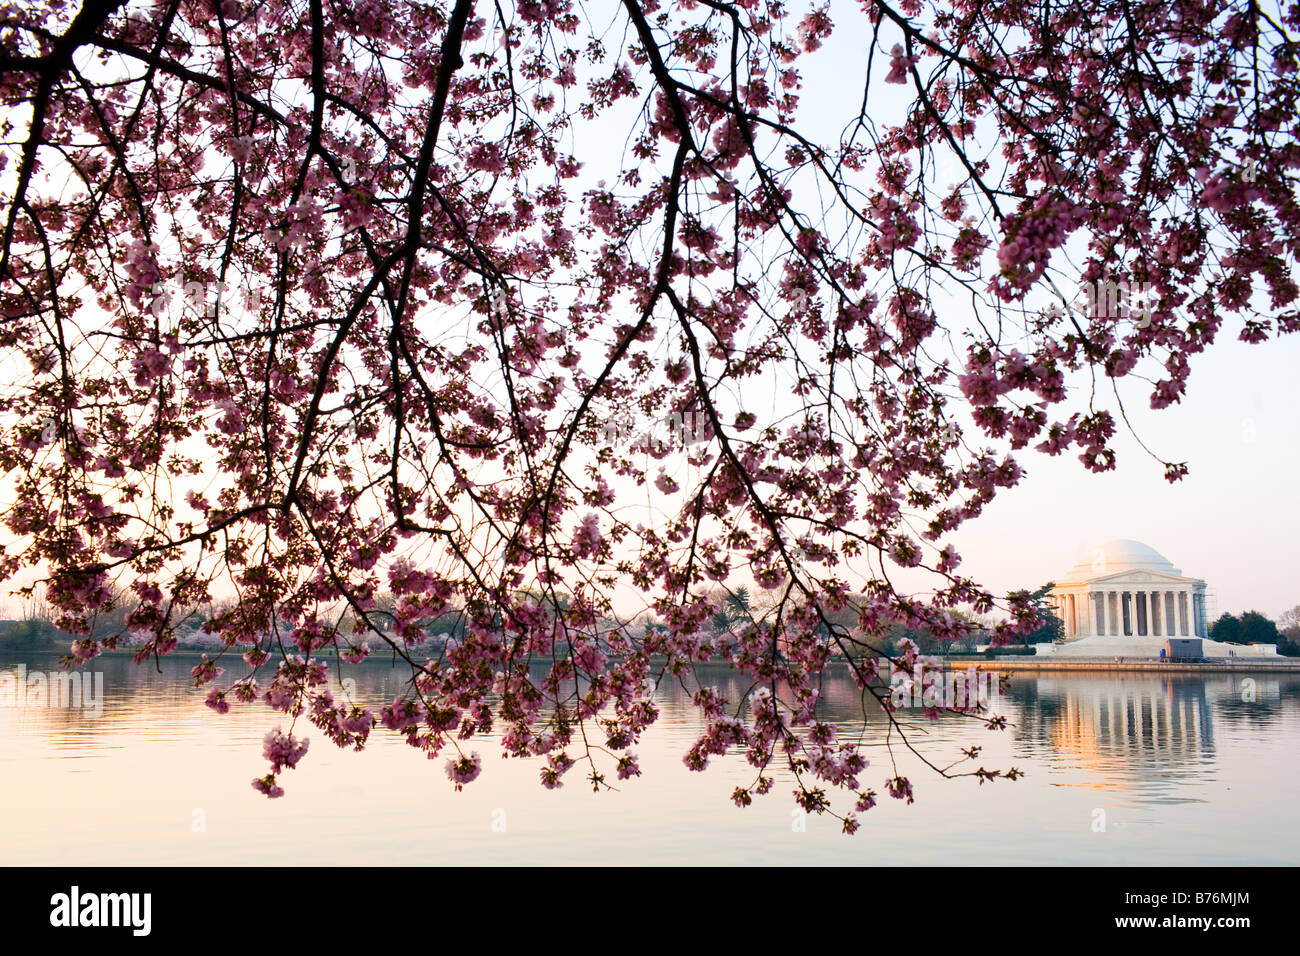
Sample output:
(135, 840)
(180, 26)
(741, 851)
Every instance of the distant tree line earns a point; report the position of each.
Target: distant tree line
(735, 609)
(1252, 627)
(30, 634)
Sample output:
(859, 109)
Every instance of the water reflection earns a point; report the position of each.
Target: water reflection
(1188, 769)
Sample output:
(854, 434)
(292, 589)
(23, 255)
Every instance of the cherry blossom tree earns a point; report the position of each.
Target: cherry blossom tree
(485, 303)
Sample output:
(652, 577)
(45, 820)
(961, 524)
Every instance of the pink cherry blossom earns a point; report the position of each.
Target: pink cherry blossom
(327, 357)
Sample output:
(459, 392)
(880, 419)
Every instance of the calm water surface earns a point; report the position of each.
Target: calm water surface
(1178, 770)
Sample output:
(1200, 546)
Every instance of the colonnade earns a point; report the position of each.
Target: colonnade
(1132, 612)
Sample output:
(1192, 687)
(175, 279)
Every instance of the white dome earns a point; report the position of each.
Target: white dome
(1120, 555)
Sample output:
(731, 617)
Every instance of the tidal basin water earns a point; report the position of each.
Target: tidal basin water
(1119, 769)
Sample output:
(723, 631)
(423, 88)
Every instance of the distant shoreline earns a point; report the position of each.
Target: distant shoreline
(1011, 663)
